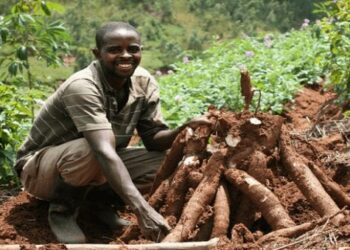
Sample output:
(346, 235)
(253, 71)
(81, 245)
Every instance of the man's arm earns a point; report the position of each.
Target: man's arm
(102, 143)
(163, 139)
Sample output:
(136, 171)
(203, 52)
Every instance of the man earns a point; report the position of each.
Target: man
(79, 137)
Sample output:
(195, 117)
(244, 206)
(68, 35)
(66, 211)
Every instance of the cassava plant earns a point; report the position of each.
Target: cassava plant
(27, 33)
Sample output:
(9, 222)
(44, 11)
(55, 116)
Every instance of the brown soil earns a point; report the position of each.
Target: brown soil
(23, 220)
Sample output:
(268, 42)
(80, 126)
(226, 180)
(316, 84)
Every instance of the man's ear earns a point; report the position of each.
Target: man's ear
(96, 53)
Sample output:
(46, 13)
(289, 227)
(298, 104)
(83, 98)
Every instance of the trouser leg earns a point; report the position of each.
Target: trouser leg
(75, 164)
(142, 165)
(73, 161)
(61, 174)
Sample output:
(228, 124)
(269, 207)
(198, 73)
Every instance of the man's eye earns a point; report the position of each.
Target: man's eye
(115, 50)
(134, 49)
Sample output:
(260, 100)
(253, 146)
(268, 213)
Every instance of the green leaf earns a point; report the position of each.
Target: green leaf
(21, 20)
(4, 32)
(55, 7)
(13, 68)
(22, 53)
(45, 8)
(28, 18)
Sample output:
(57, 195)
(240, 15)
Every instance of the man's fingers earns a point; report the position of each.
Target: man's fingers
(154, 226)
(197, 121)
(165, 228)
(150, 233)
(156, 233)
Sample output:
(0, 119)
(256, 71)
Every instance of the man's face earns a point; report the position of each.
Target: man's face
(120, 53)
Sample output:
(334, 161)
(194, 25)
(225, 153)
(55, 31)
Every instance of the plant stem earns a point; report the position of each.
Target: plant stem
(30, 84)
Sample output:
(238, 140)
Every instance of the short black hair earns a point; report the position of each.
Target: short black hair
(108, 27)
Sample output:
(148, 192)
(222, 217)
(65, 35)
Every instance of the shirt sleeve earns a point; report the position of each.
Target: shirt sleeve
(151, 120)
(84, 104)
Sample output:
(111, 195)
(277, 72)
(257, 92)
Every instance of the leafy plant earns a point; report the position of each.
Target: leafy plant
(27, 32)
(335, 29)
(14, 123)
(277, 64)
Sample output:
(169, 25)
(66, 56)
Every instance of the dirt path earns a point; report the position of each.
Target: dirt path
(23, 220)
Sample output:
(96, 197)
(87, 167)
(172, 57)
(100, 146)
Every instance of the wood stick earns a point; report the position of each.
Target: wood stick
(298, 230)
(200, 245)
(246, 88)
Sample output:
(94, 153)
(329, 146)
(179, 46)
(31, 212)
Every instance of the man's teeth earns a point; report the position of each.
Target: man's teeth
(124, 65)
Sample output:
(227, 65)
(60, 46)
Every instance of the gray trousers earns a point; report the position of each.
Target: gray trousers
(75, 162)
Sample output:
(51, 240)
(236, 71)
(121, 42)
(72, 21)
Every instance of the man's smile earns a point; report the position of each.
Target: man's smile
(124, 65)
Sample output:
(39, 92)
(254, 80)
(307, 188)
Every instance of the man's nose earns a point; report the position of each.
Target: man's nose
(125, 53)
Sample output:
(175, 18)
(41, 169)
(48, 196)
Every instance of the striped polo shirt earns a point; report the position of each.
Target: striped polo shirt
(85, 101)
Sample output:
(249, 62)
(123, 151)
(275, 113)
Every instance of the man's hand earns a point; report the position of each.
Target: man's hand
(197, 121)
(152, 224)
(163, 139)
(102, 143)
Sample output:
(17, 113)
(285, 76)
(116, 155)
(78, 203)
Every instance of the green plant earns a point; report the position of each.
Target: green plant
(277, 64)
(14, 123)
(26, 33)
(335, 29)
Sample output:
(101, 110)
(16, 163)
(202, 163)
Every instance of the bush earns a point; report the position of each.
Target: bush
(15, 120)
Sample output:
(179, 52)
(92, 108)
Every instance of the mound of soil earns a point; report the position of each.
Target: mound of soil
(312, 127)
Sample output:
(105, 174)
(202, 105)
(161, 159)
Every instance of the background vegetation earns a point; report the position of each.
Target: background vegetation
(195, 47)
(171, 27)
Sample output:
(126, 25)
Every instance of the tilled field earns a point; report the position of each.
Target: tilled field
(254, 180)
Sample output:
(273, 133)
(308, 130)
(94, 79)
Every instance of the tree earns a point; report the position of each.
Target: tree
(26, 32)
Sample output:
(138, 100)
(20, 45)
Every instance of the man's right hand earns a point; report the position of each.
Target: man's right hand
(152, 224)
(102, 143)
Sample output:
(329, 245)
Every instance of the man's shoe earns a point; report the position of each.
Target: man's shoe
(63, 211)
(62, 221)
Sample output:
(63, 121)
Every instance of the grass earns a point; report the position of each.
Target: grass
(50, 74)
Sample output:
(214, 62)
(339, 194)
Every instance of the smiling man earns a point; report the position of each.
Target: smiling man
(77, 148)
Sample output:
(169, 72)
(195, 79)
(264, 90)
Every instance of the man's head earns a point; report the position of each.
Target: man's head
(118, 48)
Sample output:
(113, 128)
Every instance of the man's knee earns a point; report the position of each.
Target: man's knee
(141, 164)
(74, 161)
(79, 166)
